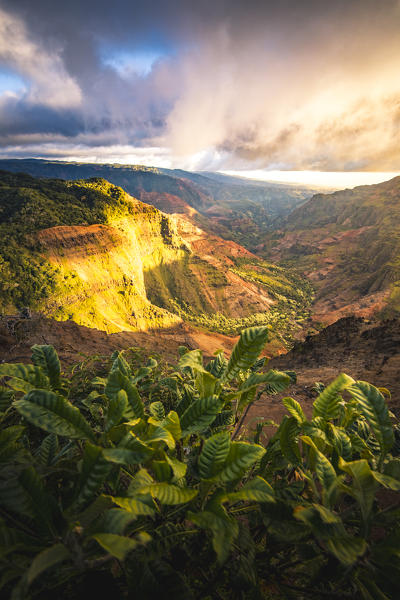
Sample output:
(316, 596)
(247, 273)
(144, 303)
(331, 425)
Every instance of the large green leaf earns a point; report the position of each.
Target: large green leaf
(40, 502)
(117, 406)
(294, 409)
(288, 433)
(20, 372)
(340, 441)
(172, 424)
(373, 406)
(200, 414)
(323, 467)
(256, 490)
(214, 454)
(47, 559)
(194, 361)
(140, 505)
(276, 381)
(95, 470)
(347, 548)
(170, 494)
(224, 530)
(48, 449)
(179, 468)
(54, 414)
(246, 351)
(117, 381)
(157, 410)
(241, 457)
(363, 486)
(46, 357)
(327, 403)
(120, 545)
(121, 364)
(116, 520)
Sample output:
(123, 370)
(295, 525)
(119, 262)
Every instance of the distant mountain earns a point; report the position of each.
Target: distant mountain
(86, 250)
(232, 207)
(348, 243)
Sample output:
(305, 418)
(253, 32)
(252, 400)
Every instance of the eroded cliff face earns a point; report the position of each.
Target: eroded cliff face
(123, 275)
(103, 268)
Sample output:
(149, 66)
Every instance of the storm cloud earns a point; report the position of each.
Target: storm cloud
(222, 84)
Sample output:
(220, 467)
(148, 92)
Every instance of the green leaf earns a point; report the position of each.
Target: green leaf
(26, 373)
(46, 357)
(193, 360)
(373, 406)
(224, 530)
(117, 381)
(294, 409)
(6, 397)
(276, 381)
(139, 506)
(323, 467)
(240, 458)
(54, 414)
(47, 559)
(327, 403)
(95, 470)
(159, 434)
(170, 494)
(161, 469)
(214, 454)
(116, 520)
(200, 414)
(117, 406)
(256, 490)
(40, 502)
(48, 449)
(172, 424)
(387, 481)
(127, 456)
(119, 545)
(288, 432)
(179, 468)
(347, 548)
(340, 441)
(141, 479)
(363, 487)
(246, 351)
(157, 410)
(122, 365)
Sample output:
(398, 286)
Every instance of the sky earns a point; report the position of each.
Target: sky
(298, 89)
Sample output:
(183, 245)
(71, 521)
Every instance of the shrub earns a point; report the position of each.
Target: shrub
(146, 484)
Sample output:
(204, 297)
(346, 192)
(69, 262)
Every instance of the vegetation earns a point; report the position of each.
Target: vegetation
(293, 295)
(145, 485)
(28, 205)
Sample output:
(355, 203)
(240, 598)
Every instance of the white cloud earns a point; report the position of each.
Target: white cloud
(50, 84)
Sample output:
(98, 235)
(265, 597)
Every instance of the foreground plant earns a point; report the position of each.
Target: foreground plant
(143, 483)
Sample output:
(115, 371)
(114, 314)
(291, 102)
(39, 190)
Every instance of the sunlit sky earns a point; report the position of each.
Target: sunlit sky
(303, 92)
(336, 180)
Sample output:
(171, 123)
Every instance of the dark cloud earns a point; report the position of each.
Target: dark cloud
(262, 82)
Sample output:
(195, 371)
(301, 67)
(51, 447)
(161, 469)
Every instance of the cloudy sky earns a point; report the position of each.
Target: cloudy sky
(284, 85)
